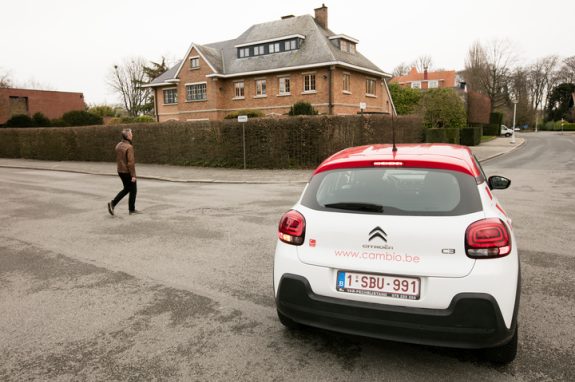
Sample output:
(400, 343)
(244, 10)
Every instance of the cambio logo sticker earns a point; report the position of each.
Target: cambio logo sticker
(311, 242)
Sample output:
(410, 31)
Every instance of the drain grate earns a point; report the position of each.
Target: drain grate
(202, 211)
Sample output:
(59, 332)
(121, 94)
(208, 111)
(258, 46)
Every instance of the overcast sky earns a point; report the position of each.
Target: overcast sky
(71, 44)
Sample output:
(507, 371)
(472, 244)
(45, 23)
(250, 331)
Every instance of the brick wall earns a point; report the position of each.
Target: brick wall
(50, 103)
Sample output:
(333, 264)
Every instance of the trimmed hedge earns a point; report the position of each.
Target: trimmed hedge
(250, 113)
(82, 118)
(452, 136)
(435, 136)
(492, 130)
(296, 142)
(471, 136)
(496, 118)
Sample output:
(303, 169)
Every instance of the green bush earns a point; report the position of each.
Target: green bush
(302, 108)
(127, 120)
(471, 136)
(569, 126)
(250, 113)
(452, 136)
(114, 121)
(82, 118)
(40, 120)
(492, 130)
(19, 120)
(58, 122)
(496, 118)
(435, 136)
(145, 119)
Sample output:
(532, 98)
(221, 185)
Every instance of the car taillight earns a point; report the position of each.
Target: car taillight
(292, 228)
(487, 238)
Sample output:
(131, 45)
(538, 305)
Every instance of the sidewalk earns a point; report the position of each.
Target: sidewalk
(483, 152)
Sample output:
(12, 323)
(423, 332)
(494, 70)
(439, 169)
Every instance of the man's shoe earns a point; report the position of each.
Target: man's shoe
(111, 208)
(135, 212)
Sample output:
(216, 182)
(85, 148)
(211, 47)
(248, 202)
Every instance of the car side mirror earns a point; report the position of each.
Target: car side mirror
(499, 183)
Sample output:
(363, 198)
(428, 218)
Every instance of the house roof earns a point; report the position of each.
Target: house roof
(316, 50)
(447, 76)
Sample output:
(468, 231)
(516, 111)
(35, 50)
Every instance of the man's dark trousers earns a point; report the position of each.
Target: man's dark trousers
(129, 188)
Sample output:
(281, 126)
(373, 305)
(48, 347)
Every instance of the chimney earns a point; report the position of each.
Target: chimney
(425, 73)
(321, 16)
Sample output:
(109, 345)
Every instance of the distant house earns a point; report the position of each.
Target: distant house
(270, 67)
(50, 103)
(426, 80)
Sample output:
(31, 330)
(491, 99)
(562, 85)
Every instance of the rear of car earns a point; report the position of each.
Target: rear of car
(409, 246)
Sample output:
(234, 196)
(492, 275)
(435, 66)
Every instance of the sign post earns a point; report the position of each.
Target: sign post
(562, 120)
(362, 106)
(243, 119)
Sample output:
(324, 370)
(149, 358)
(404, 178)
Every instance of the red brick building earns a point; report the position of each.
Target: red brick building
(426, 80)
(270, 67)
(50, 103)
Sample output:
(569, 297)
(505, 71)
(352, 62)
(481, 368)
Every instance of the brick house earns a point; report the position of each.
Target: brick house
(426, 80)
(270, 67)
(50, 103)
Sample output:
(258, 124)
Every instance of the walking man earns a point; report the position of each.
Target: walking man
(127, 172)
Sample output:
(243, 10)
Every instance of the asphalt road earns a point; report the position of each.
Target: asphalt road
(184, 291)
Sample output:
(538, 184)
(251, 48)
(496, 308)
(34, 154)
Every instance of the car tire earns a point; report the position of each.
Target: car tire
(507, 135)
(505, 353)
(288, 322)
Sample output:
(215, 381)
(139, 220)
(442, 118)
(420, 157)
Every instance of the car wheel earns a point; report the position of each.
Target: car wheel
(288, 322)
(505, 353)
(507, 135)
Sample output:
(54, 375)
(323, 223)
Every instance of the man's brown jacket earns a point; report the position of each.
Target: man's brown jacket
(125, 157)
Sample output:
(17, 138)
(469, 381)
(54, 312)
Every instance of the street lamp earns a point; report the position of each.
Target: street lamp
(514, 113)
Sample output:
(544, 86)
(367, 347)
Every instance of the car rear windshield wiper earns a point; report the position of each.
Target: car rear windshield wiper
(371, 207)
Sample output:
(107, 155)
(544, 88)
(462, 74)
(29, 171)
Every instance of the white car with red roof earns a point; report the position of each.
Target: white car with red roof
(409, 245)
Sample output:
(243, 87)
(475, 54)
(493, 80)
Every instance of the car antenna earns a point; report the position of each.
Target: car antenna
(393, 130)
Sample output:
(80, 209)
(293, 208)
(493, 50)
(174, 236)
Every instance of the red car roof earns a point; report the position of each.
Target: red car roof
(425, 155)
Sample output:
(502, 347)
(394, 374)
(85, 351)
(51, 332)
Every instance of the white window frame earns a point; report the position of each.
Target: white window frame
(416, 85)
(261, 89)
(175, 96)
(348, 82)
(194, 60)
(309, 82)
(196, 85)
(290, 45)
(343, 45)
(239, 90)
(373, 83)
(284, 88)
(432, 84)
(274, 48)
(352, 47)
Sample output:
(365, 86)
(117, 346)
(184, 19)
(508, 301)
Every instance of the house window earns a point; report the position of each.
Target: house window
(352, 47)
(290, 45)
(259, 50)
(244, 52)
(387, 106)
(195, 62)
(275, 48)
(309, 82)
(260, 87)
(170, 96)
(196, 92)
(416, 85)
(346, 82)
(284, 85)
(239, 89)
(432, 84)
(344, 45)
(370, 86)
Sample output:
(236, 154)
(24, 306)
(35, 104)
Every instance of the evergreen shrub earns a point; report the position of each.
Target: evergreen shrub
(471, 136)
(82, 118)
(492, 130)
(452, 136)
(58, 122)
(145, 119)
(302, 108)
(40, 120)
(19, 120)
(435, 136)
(127, 120)
(250, 113)
(114, 121)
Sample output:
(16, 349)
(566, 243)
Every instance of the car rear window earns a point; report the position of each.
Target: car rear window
(401, 191)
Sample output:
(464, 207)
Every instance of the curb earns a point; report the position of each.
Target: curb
(507, 152)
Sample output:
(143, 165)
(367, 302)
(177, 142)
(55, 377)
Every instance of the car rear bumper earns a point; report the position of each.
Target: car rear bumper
(472, 320)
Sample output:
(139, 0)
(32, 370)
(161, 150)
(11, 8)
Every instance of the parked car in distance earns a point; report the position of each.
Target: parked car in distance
(506, 131)
(409, 245)
(517, 129)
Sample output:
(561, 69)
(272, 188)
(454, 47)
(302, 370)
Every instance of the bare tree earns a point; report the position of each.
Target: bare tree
(126, 80)
(567, 71)
(401, 70)
(488, 68)
(423, 62)
(5, 83)
(541, 77)
(34, 84)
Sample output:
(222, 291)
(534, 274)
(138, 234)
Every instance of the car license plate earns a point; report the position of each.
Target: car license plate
(378, 285)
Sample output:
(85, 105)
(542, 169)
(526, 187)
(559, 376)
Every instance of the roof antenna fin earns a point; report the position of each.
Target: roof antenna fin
(393, 130)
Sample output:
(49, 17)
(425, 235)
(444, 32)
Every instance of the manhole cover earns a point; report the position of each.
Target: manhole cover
(202, 211)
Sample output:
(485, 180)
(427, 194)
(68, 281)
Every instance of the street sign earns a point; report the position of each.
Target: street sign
(242, 118)
(362, 105)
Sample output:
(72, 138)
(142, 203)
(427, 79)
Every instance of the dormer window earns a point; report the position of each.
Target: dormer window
(272, 46)
(275, 48)
(351, 47)
(290, 45)
(343, 45)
